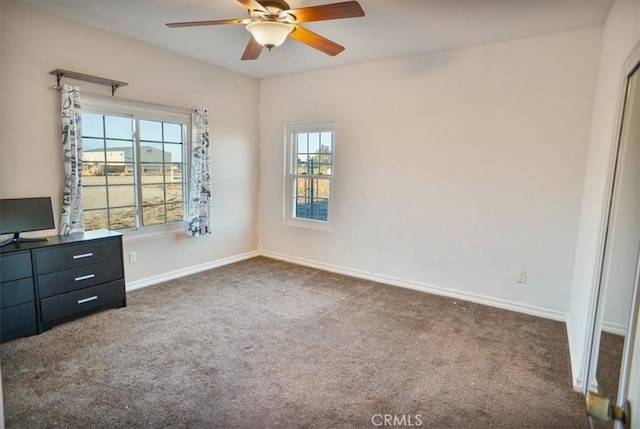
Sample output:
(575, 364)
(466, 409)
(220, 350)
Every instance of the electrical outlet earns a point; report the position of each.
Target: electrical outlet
(133, 257)
(522, 276)
(343, 247)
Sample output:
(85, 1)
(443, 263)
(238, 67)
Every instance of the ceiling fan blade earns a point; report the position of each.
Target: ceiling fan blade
(252, 51)
(314, 40)
(348, 9)
(252, 5)
(202, 23)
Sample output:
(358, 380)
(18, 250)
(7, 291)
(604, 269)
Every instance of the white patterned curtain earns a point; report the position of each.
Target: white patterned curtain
(72, 213)
(199, 217)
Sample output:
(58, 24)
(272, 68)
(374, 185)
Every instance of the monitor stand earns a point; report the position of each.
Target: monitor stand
(16, 239)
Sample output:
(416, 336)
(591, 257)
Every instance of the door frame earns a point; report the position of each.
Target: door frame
(629, 344)
(596, 318)
(631, 67)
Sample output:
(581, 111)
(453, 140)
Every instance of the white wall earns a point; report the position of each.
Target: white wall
(34, 42)
(620, 34)
(453, 170)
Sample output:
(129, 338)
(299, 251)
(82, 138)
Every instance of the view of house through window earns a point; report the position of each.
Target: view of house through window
(312, 164)
(133, 171)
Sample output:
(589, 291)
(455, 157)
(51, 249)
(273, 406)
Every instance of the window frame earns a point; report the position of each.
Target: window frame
(290, 176)
(137, 111)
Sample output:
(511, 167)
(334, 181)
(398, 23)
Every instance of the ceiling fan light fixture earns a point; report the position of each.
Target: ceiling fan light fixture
(269, 33)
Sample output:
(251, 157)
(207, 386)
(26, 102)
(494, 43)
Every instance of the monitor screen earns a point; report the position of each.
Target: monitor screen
(25, 214)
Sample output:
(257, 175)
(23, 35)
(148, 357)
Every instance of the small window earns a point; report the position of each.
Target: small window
(134, 167)
(311, 148)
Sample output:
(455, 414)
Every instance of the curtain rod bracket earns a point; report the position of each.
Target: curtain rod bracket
(58, 77)
(114, 84)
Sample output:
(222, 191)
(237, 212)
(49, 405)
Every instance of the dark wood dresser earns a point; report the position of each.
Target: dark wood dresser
(49, 282)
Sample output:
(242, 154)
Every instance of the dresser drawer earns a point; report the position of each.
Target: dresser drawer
(77, 255)
(15, 266)
(79, 278)
(18, 317)
(16, 292)
(61, 306)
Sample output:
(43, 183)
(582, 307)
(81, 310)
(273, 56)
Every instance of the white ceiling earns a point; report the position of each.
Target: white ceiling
(390, 28)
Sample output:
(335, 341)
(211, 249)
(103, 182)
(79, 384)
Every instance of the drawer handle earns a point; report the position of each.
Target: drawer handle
(87, 277)
(91, 298)
(84, 255)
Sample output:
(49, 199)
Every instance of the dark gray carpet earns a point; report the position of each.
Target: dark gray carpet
(610, 359)
(267, 344)
(608, 375)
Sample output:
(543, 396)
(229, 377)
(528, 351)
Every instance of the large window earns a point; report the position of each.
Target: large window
(311, 150)
(133, 166)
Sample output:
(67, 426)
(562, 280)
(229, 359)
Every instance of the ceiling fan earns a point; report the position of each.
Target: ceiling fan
(271, 21)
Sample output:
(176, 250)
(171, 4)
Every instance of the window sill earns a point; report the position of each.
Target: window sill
(309, 224)
(148, 234)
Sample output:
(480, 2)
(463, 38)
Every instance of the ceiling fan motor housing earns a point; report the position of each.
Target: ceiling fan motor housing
(276, 4)
(274, 10)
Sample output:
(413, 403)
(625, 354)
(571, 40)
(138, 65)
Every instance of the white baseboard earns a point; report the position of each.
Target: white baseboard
(149, 281)
(424, 287)
(614, 328)
(393, 281)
